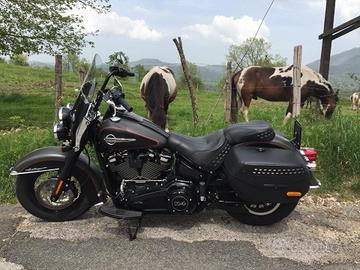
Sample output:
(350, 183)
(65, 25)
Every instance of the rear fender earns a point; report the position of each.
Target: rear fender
(31, 163)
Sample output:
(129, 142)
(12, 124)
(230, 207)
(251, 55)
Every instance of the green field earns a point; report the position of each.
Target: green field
(27, 113)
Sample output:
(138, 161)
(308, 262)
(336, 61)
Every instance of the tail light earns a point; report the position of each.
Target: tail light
(310, 156)
(310, 153)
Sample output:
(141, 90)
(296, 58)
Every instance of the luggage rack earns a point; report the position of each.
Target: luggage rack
(297, 134)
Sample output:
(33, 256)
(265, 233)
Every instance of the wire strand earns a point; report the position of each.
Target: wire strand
(256, 33)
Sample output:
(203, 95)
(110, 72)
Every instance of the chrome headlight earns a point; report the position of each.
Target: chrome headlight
(64, 113)
(61, 132)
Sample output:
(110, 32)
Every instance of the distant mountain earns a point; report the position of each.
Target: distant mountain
(341, 65)
(210, 74)
(41, 64)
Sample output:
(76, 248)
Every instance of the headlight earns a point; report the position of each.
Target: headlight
(64, 113)
(61, 132)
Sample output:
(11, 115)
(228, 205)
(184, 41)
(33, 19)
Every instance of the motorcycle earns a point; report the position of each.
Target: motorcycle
(253, 172)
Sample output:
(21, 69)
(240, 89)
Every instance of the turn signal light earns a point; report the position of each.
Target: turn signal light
(293, 194)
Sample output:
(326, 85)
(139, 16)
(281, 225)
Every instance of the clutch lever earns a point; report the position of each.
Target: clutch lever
(115, 108)
(108, 99)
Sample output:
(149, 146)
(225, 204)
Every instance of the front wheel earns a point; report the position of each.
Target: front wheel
(34, 191)
(262, 213)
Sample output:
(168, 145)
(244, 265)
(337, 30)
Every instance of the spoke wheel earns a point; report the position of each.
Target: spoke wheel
(34, 192)
(44, 187)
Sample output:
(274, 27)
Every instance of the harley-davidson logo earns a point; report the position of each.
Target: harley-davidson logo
(110, 139)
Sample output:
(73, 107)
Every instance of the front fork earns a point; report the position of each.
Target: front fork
(64, 174)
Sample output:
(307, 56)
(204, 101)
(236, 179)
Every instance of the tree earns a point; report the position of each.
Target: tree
(140, 71)
(71, 62)
(114, 59)
(19, 59)
(47, 26)
(195, 76)
(254, 51)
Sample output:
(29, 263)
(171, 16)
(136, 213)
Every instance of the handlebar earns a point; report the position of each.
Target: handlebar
(126, 105)
(125, 73)
(117, 97)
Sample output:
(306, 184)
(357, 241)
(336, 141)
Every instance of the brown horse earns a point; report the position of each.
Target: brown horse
(158, 89)
(276, 84)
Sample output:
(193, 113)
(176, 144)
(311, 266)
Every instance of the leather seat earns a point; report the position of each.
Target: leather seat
(249, 131)
(210, 150)
(200, 150)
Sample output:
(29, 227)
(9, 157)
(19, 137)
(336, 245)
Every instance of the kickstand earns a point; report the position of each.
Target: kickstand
(133, 228)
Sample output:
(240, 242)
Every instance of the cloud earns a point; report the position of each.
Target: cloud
(112, 23)
(229, 29)
(345, 9)
(140, 9)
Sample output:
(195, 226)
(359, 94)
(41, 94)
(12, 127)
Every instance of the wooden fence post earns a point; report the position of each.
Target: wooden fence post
(297, 81)
(58, 84)
(82, 73)
(178, 44)
(234, 105)
(228, 93)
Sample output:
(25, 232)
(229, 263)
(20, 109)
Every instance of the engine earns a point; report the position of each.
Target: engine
(146, 165)
(146, 182)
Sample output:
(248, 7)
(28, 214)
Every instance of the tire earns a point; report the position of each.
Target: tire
(274, 213)
(30, 198)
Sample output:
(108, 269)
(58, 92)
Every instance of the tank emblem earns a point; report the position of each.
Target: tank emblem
(111, 139)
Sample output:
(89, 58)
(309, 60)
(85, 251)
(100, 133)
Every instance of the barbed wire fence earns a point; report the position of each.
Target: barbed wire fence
(239, 63)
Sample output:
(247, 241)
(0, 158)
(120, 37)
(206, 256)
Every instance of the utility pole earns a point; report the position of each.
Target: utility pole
(327, 41)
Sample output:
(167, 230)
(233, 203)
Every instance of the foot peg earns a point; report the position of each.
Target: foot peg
(133, 217)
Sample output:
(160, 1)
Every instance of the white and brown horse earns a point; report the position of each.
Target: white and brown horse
(355, 101)
(158, 89)
(276, 84)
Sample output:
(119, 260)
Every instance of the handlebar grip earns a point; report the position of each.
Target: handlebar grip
(125, 104)
(131, 74)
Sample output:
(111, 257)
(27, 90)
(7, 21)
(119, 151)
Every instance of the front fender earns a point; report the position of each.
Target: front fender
(25, 165)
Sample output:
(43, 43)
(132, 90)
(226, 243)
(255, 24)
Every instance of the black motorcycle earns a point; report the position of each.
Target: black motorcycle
(248, 169)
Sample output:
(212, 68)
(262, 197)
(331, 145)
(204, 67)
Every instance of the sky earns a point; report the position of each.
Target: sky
(145, 29)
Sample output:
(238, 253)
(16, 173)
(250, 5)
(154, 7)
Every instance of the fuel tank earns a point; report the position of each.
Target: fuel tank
(130, 132)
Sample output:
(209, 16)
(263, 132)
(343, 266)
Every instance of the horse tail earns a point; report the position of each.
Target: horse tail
(157, 96)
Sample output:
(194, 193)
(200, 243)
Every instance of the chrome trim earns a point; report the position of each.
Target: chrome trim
(110, 139)
(37, 170)
(60, 113)
(55, 131)
(81, 129)
(316, 186)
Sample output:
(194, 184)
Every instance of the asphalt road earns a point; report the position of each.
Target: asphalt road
(320, 234)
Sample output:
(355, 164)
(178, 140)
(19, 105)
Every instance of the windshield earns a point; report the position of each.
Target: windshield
(96, 72)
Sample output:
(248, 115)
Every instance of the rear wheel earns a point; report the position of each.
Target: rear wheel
(34, 191)
(263, 213)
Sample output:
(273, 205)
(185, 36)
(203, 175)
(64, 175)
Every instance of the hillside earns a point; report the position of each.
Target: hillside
(210, 74)
(341, 65)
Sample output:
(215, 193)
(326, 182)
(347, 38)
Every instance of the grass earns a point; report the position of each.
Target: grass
(26, 119)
